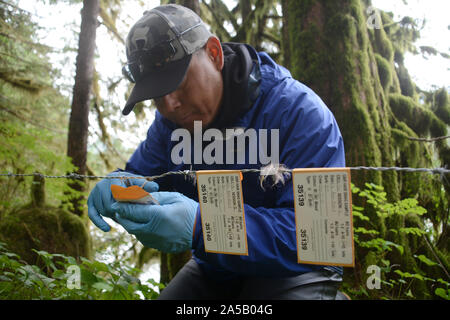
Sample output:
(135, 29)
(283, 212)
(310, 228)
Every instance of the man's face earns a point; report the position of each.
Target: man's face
(199, 95)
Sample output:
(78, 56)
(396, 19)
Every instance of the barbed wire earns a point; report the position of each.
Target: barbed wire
(440, 171)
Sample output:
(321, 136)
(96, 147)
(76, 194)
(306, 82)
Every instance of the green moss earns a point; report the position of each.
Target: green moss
(403, 107)
(44, 228)
(413, 154)
(352, 69)
(438, 128)
(417, 117)
(382, 45)
(441, 97)
(331, 53)
(444, 154)
(406, 84)
(401, 136)
(441, 105)
(384, 72)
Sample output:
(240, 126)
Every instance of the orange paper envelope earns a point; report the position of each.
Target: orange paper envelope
(134, 194)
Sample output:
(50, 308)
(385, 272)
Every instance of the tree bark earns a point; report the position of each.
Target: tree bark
(79, 121)
(329, 50)
(285, 43)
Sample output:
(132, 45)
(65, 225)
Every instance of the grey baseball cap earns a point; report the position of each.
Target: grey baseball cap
(159, 48)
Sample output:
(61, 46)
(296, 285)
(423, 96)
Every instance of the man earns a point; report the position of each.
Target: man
(173, 59)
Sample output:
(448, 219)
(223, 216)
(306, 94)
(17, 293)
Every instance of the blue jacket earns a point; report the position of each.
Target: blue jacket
(309, 137)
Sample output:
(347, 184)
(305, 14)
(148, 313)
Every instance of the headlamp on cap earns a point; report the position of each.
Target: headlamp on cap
(153, 58)
(159, 49)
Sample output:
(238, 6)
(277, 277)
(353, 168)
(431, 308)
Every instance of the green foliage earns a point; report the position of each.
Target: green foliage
(256, 22)
(33, 113)
(97, 281)
(409, 269)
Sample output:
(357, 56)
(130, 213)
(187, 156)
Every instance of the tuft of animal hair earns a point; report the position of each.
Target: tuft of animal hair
(270, 175)
(273, 174)
(190, 176)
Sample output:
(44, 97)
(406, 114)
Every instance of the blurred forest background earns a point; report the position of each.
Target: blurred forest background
(60, 113)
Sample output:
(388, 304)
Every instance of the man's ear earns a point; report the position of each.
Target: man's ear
(214, 51)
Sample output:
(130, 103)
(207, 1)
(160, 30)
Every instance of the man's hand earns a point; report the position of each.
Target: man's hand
(167, 227)
(100, 199)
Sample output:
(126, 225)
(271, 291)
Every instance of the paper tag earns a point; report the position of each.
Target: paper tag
(222, 211)
(323, 216)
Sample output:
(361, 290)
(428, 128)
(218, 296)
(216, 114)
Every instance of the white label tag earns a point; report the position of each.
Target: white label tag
(222, 211)
(323, 216)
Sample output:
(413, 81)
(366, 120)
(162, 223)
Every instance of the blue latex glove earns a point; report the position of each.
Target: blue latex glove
(100, 199)
(167, 227)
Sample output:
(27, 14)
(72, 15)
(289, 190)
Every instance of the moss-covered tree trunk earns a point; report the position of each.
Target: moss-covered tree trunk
(40, 226)
(356, 68)
(358, 71)
(329, 50)
(79, 121)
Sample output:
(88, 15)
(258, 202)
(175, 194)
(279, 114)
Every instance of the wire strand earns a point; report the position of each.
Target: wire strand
(440, 171)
